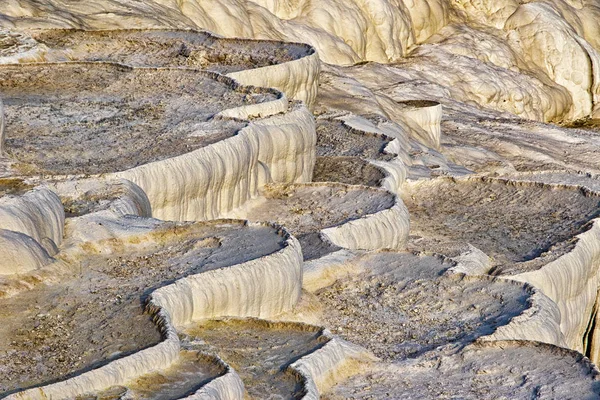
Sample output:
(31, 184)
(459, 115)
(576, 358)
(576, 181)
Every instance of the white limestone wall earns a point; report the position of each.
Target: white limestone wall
(572, 282)
(564, 291)
(395, 174)
(396, 168)
(386, 229)
(20, 253)
(328, 365)
(298, 79)
(211, 181)
(123, 197)
(38, 213)
(563, 303)
(539, 322)
(594, 58)
(32, 225)
(226, 387)
(133, 202)
(287, 145)
(427, 117)
(262, 288)
(551, 44)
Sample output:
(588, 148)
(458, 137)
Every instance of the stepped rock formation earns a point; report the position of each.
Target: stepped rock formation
(228, 199)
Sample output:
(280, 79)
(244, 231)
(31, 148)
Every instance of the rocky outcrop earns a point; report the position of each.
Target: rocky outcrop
(211, 181)
(552, 45)
(298, 79)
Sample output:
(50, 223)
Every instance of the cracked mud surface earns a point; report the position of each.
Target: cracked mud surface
(348, 170)
(512, 223)
(402, 305)
(85, 119)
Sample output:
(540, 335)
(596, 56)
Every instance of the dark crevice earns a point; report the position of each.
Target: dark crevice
(588, 336)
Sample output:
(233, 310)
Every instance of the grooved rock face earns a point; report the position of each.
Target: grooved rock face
(553, 45)
(503, 370)
(190, 372)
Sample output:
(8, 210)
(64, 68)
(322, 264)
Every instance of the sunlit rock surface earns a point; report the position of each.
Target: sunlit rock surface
(415, 187)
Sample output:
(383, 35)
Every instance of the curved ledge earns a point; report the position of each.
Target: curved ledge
(539, 322)
(226, 387)
(296, 75)
(272, 285)
(329, 364)
(298, 79)
(571, 281)
(212, 181)
(386, 229)
(563, 291)
(37, 213)
(21, 253)
(263, 287)
(395, 169)
(31, 229)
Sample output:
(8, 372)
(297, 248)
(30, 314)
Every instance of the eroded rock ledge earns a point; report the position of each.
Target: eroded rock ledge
(246, 151)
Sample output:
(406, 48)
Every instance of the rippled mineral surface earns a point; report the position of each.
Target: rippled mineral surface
(283, 199)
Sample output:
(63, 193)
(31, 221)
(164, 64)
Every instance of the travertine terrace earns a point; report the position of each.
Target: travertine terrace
(339, 199)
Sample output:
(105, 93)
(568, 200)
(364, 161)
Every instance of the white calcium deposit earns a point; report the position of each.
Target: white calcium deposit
(446, 89)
